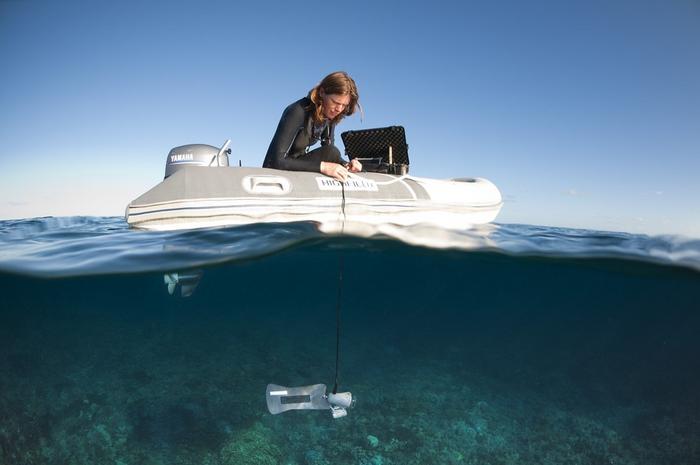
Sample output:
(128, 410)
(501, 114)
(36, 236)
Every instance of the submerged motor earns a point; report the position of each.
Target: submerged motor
(187, 280)
(196, 155)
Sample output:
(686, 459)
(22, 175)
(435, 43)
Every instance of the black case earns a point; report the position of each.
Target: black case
(374, 144)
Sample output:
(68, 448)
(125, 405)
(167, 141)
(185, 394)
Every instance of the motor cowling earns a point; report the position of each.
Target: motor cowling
(196, 155)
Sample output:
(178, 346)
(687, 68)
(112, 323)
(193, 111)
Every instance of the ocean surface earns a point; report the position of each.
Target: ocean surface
(505, 344)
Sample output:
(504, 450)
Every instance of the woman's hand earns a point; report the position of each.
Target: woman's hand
(354, 166)
(334, 170)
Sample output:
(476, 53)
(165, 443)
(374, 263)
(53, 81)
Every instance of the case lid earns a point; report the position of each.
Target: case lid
(375, 142)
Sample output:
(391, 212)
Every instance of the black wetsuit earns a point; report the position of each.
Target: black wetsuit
(295, 133)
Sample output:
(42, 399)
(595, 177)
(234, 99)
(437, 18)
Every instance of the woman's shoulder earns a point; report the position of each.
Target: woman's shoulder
(301, 106)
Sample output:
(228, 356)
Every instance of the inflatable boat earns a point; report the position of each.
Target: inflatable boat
(201, 190)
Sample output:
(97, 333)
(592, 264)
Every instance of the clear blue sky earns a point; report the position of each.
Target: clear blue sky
(584, 114)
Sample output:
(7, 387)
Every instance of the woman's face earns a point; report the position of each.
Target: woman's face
(334, 104)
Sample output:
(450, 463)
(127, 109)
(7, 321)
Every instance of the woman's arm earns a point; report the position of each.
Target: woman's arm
(289, 127)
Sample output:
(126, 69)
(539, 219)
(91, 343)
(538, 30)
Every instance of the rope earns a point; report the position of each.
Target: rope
(381, 183)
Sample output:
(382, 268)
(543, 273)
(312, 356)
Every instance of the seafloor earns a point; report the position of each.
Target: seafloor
(454, 358)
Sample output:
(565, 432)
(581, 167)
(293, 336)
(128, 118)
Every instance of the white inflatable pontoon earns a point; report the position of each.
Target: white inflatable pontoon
(200, 190)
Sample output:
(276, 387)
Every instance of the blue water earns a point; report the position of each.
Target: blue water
(506, 344)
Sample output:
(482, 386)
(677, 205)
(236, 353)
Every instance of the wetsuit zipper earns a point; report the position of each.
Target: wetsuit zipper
(286, 154)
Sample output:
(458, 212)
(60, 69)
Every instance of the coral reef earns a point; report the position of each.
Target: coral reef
(254, 446)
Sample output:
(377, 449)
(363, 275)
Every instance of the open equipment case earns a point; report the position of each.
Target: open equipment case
(380, 150)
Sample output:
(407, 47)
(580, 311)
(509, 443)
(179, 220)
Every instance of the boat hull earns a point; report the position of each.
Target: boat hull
(199, 197)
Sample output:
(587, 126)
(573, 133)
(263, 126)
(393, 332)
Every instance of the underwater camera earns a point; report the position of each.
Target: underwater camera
(281, 399)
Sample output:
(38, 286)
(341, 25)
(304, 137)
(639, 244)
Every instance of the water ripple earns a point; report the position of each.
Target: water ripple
(71, 246)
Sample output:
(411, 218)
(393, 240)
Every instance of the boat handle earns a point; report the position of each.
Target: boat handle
(266, 184)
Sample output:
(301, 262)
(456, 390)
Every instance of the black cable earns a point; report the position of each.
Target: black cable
(337, 322)
(338, 300)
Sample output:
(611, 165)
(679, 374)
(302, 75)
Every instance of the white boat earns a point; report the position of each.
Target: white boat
(200, 190)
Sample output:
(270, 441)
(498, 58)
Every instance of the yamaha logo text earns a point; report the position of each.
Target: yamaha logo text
(181, 157)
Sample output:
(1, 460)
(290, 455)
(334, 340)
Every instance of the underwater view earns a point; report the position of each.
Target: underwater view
(506, 344)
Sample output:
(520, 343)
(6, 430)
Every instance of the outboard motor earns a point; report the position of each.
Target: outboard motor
(197, 155)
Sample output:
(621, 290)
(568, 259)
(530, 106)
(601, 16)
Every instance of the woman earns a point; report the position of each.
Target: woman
(309, 120)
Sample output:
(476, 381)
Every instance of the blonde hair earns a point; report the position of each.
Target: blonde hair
(337, 83)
